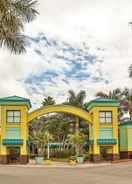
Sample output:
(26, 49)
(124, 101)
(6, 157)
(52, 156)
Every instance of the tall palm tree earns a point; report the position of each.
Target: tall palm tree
(48, 101)
(41, 138)
(115, 94)
(13, 15)
(78, 101)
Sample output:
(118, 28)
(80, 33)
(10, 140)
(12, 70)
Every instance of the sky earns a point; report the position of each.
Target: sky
(96, 31)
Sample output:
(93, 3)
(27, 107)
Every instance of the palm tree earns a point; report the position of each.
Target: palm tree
(77, 140)
(115, 94)
(78, 101)
(58, 127)
(13, 15)
(41, 139)
(48, 101)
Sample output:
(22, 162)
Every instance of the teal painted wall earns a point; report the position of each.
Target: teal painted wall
(13, 133)
(105, 133)
(123, 139)
(130, 139)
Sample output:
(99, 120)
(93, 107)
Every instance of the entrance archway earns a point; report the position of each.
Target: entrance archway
(60, 108)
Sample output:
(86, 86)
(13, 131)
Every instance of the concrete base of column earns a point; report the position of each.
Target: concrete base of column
(3, 159)
(24, 159)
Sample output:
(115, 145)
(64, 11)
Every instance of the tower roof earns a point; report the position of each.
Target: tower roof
(15, 100)
(100, 102)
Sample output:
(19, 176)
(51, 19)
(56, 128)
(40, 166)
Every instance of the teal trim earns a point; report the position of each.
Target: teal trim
(15, 100)
(101, 102)
(125, 123)
(106, 141)
(12, 141)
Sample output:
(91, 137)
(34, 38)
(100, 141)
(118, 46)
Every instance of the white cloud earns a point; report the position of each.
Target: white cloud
(102, 24)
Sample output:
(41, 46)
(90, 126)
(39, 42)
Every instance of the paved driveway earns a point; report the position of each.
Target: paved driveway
(114, 174)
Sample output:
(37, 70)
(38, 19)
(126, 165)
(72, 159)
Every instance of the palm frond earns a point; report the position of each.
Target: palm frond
(25, 9)
(16, 43)
(101, 94)
(13, 15)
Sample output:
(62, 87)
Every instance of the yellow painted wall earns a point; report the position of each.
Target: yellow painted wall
(22, 125)
(97, 125)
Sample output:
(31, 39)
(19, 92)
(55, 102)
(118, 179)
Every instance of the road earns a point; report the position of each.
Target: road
(112, 174)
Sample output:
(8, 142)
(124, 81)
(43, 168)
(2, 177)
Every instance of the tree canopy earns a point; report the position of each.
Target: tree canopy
(13, 15)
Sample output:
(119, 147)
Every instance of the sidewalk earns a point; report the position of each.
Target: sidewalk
(55, 164)
(61, 165)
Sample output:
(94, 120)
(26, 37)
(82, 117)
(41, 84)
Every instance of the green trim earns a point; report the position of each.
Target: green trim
(12, 141)
(101, 102)
(15, 100)
(106, 141)
(125, 123)
(92, 104)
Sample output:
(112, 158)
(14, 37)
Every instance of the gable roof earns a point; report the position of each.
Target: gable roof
(15, 100)
(99, 102)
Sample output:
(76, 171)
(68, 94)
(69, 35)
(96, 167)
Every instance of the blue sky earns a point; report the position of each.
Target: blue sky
(73, 45)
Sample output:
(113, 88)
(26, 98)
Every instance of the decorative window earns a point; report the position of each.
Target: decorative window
(13, 116)
(105, 116)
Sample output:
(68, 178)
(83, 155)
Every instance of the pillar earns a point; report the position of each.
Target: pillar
(115, 134)
(95, 156)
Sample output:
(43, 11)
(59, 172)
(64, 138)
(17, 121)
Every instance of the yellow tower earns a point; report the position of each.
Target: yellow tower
(104, 129)
(14, 130)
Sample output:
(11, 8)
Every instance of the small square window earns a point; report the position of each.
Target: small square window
(17, 113)
(10, 113)
(102, 120)
(108, 114)
(10, 119)
(13, 116)
(16, 119)
(105, 117)
(108, 120)
(102, 114)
